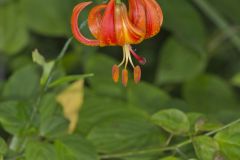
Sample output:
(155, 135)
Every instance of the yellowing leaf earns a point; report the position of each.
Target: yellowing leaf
(71, 100)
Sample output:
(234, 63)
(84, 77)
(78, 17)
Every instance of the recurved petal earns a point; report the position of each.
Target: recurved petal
(154, 17)
(137, 14)
(107, 35)
(126, 32)
(74, 25)
(95, 20)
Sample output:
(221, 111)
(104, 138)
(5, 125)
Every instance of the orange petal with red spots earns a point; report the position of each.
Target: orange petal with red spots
(95, 20)
(154, 17)
(126, 32)
(107, 35)
(137, 14)
(75, 28)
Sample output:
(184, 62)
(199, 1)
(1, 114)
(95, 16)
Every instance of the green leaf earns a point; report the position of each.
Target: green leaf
(188, 29)
(205, 147)
(236, 80)
(208, 94)
(127, 131)
(3, 146)
(47, 66)
(50, 19)
(201, 123)
(23, 84)
(52, 122)
(13, 116)
(101, 66)
(174, 63)
(14, 36)
(170, 158)
(38, 58)
(70, 78)
(229, 141)
(172, 120)
(74, 147)
(40, 151)
(151, 101)
(98, 108)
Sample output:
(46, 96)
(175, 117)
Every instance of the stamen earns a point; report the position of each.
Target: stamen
(125, 51)
(141, 60)
(123, 60)
(137, 74)
(124, 77)
(115, 73)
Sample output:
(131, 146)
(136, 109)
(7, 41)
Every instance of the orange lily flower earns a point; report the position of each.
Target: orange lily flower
(111, 24)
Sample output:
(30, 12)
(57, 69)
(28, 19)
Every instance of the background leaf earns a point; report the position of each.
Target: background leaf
(172, 120)
(178, 63)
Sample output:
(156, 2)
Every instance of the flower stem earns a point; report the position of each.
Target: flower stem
(219, 21)
(118, 1)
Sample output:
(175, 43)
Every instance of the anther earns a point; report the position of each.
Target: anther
(124, 77)
(115, 73)
(137, 74)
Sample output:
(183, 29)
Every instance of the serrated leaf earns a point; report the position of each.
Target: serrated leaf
(74, 147)
(172, 120)
(40, 151)
(23, 84)
(206, 148)
(71, 100)
(127, 131)
(13, 116)
(52, 122)
(229, 142)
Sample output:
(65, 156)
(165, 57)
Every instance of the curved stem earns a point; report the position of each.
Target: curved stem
(171, 148)
(219, 21)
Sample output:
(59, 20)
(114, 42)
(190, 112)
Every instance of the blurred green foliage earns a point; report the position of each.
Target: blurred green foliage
(184, 108)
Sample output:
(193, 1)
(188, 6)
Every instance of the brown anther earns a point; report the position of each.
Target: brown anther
(115, 73)
(125, 77)
(137, 74)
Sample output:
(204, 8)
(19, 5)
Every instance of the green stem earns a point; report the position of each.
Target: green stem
(223, 128)
(219, 21)
(118, 1)
(171, 148)
(19, 146)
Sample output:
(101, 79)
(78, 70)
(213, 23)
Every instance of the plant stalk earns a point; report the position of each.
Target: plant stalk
(219, 21)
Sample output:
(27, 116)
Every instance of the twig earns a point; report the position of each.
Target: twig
(171, 148)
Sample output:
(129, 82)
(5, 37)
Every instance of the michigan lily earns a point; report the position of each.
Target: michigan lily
(113, 25)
